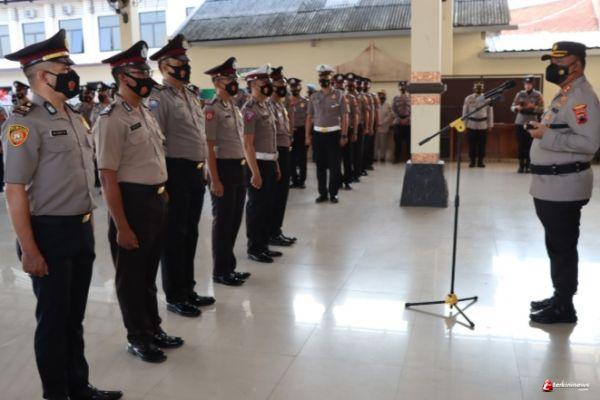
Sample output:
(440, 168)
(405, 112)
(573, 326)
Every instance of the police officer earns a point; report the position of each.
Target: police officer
(401, 124)
(104, 100)
(260, 142)
(478, 125)
(50, 177)
(241, 97)
(283, 123)
(298, 105)
(181, 119)
(328, 110)
(226, 160)
(365, 121)
(563, 145)
(529, 105)
(131, 159)
(348, 149)
(21, 90)
(3, 117)
(87, 104)
(385, 119)
(369, 139)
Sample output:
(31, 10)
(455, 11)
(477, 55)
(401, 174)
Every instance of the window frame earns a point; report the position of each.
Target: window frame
(115, 44)
(68, 31)
(154, 43)
(35, 34)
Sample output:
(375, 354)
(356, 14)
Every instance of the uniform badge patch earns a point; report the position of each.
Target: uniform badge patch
(17, 134)
(209, 114)
(249, 116)
(581, 113)
(153, 103)
(85, 123)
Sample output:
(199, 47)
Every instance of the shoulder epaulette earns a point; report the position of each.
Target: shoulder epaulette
(73, 108)
(159, 87)
(107, 110)
(211, 101)
(24, 109)
(251, 102)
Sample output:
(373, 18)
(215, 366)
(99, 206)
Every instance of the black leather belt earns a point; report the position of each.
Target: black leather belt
(478, 119)
(559, 169)
(143, 189)
(61, 220)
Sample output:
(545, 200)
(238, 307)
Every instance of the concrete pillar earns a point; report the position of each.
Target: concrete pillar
(129, 23)
(447, 37)
(424, 182)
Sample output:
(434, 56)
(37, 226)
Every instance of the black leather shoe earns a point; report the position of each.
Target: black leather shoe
(369, 168)
(347, 186)
(184, 309)
(260, 257)
(272, 253)
(334, 199)
(540, 305)
(147, 352)
(520, 170)
(480, 165)
(289, 238)
(555, 314)
(164, 341)
(242, 275)
(301, 186)
(472, 164)
(356, 180)
(201, 301)
(228, 280)
(279, 241)
(96, 394)
(321, 199)
(364, 173)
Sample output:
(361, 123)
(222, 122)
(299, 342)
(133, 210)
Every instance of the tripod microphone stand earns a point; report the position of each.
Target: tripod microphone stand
(459, 124)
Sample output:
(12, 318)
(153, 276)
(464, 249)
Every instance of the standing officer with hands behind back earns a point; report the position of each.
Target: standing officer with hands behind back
(564, 144)
(50, 180)
(131, 159)
(181, 119)
(529, 105)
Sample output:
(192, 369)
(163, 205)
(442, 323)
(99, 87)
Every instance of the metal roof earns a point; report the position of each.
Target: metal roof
(251, 19)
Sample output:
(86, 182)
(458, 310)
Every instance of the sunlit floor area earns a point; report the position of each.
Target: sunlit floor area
(328, 320)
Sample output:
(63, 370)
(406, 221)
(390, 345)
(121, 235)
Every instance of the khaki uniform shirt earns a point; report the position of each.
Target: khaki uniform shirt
(299, 108)
(130, 142)
(385, 118)
(363, 107)
(282, 122)
(51, 154)
(482, 119)
(401, 109)
(576, 106)
(181, 119)
(353, 109)
(224, 125)
(521, 99)
(241, 98)
(327, 110)
(260, 122)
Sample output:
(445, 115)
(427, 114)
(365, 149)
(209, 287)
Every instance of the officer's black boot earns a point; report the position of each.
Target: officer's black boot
(541, 304)
(527, 165)
(472, 163)
(521, 166)
(560, 311)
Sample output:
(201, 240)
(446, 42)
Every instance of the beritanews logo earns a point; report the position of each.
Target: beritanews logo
(550, 386)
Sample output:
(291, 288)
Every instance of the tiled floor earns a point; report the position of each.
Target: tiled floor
(327, 321)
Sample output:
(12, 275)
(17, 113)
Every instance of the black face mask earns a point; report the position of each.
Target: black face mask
(181, 73)
(402, 90)
(102, 98)
(295, 92)
(325, 83)
(281, 91)
(87, 99)
(143, 86)
(232, 88)
(66, 83)
(557, 74)
(267, 90)
(20, 96)
(382, 99)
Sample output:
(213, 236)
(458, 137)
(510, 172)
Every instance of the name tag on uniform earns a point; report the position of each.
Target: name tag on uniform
(227, 116)
(62, 132)
(335, 105)
(135, 126)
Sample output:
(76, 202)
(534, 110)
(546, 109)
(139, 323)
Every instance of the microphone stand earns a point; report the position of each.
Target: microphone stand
(459, 124)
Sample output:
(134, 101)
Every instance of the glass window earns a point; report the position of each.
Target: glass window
(152, 28)
(4, 40)
(109, 32)
(74, 34)
(33, 32)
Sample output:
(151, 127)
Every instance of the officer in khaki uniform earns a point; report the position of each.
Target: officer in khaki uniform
(86, 97)
(347, 150)
(328, 110)
(131, 159)
(226, 160)
(21, 90)
(298, 105)
(103, 101)
(564, 143)
(363, 115)
(260, 142)
(369, 140)
(401, 124)
(478, 125)
(284, 145)
(529, 105)
(50, 180)
(181, 119)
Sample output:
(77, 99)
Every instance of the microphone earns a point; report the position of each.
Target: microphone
(502, 88)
